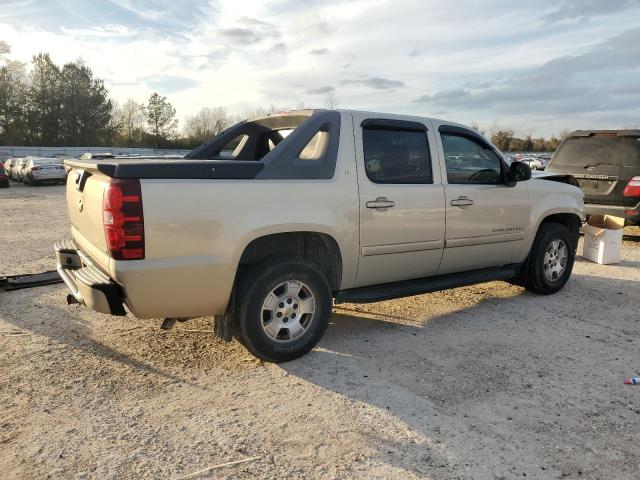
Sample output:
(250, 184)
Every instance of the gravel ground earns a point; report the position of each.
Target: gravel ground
(480, 382)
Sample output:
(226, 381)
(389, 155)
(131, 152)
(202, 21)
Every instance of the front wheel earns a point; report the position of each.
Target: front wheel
(550, 261)
(283, 307)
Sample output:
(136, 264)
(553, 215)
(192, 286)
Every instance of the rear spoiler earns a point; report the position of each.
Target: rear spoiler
(175, 169)
(611, 133)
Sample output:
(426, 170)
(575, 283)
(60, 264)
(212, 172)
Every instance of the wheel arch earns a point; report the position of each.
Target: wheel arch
(571, 220)
(320, 248)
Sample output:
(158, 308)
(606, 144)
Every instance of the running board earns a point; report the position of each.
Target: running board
(389, 291)
(16, 282)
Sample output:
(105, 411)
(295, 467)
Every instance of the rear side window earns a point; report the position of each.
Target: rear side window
(396, 156)
(469, 161)
(599, 151)
(232, 149)
(316, 148)
(295, 145)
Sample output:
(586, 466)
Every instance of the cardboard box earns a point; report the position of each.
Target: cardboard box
(603, 239)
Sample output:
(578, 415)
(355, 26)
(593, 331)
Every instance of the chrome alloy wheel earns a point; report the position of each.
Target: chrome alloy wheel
(288, 311)
(555, 260)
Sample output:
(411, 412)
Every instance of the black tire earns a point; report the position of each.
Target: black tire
(256, 284)
(535, 279)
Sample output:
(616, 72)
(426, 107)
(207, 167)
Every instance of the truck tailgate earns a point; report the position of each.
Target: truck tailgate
(85, 189)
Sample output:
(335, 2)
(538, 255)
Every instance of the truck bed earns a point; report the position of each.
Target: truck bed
(170, 168)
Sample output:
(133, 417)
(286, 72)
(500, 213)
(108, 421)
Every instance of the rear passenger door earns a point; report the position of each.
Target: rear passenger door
(487, 221)
(401, 200)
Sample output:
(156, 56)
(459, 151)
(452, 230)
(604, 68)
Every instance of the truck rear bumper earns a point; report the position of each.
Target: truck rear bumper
(87, 283)
(614, 210)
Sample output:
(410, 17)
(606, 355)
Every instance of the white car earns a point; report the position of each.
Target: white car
(18, 167)
(44, 170)
(534, 163)
(96, 156)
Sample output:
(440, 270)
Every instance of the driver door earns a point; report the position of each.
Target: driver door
(486, 221)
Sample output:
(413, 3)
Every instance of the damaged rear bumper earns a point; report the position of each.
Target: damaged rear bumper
(87, 283)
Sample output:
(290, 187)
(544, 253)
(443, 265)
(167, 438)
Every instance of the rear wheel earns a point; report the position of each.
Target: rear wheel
(283, 308)
(551, 259)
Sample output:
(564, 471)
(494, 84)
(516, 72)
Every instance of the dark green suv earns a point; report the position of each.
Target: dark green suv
(606, 165)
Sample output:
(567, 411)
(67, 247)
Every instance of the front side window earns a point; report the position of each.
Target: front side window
(396, 156)
(470, 161)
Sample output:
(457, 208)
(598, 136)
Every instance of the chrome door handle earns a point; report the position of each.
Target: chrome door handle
(461, 202)
(381, 203)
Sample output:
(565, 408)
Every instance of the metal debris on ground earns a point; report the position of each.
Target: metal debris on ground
(16, 282)
(632, 381)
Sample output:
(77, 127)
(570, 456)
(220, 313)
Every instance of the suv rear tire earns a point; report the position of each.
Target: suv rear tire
(550, 261)
(283, 308)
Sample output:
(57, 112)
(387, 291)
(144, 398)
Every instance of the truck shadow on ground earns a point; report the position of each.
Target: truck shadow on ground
(66, 328)
(442, 375)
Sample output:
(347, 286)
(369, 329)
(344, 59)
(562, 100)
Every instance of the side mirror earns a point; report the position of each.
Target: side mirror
(519, 172)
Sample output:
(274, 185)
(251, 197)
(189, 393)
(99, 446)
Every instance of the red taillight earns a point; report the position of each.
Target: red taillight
(633, 188)
(123, 219)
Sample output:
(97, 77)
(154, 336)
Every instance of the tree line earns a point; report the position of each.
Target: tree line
(67, 105)
(506, 141)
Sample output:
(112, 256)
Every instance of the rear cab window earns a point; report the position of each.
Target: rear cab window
(396, 154)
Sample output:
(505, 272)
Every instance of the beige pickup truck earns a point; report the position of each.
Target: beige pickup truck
(277, 217)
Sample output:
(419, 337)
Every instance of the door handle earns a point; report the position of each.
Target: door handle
(381, 203)
(461, 202)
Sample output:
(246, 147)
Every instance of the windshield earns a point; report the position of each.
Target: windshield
(599, 150)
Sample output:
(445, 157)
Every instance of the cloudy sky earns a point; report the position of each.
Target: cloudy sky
(537, 66)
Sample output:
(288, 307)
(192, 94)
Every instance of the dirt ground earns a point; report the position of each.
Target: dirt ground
(479, 382)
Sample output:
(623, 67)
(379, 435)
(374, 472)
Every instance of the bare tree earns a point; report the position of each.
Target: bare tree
(331, 101)
(114, 126)
(502, 139)
(132, 122)
(209, 121)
